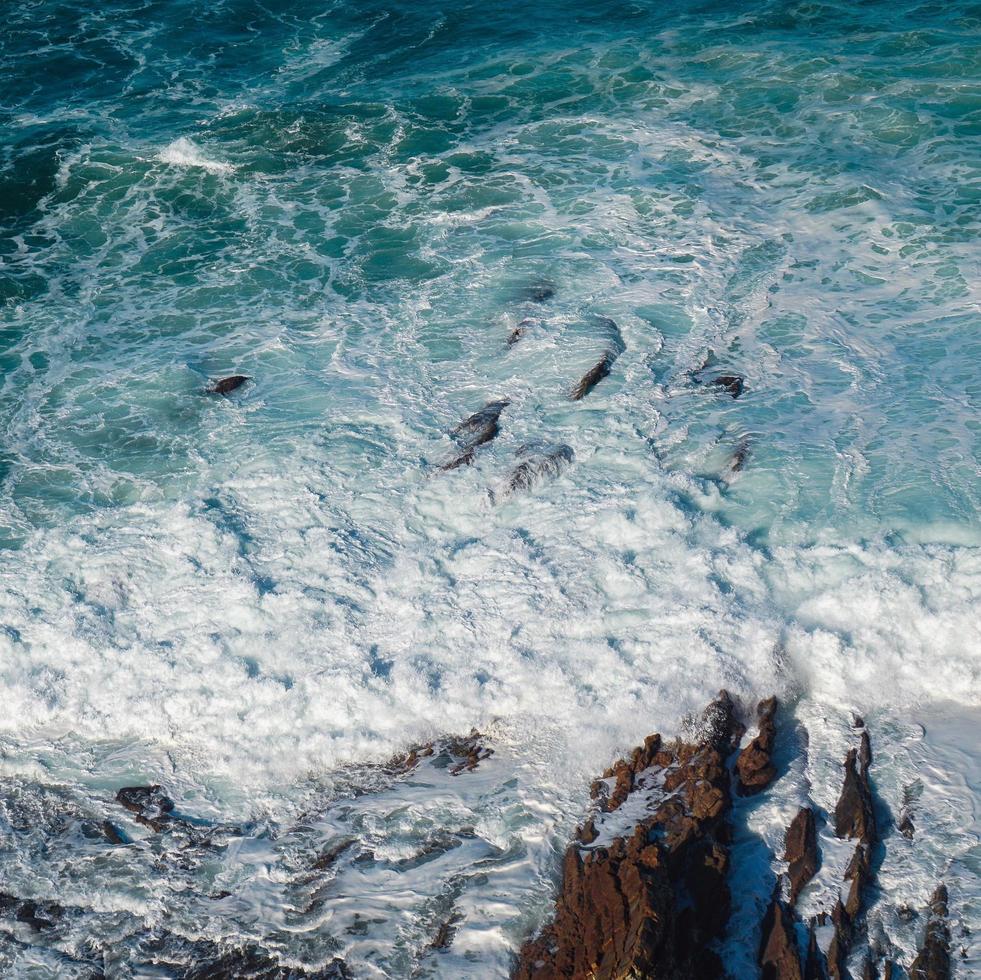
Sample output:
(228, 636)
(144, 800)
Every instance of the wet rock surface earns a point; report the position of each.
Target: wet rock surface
(801, 851)
(150, 805)
(651, 900)
(854, 814)
(475, 431)
(731, 383)
(754, 764)
(933, 960)
(779, 956)
(225, 386)
(540, 462)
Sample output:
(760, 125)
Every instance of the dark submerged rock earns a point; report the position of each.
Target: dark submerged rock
(602, 368)
(475, 431)
(740, 457)
(732, 383)
(225, 386)
(520, 331)
(541, 463)
(933, 960)
(906, 826)
(538, 292)
(38, 915)
(150, 804)
(754, 766)
(801, 851)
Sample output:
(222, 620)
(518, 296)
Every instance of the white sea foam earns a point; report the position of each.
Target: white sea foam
(185, 153)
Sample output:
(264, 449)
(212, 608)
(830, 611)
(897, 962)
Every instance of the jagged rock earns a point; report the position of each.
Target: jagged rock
(519, 331)
(650, 902)
(601, 369)
(906, 826)
(112, 833)
(841, 941)
(152, 807)
(755, 763)
(933, 960)
(869, 972)
(854, 815)
(859, 873)
(814, 962)
(463, 753)
(446, 932)
(801, 851)
(779, 957)
(329, 857)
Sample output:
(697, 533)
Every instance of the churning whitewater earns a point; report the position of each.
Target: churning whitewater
(587, 360)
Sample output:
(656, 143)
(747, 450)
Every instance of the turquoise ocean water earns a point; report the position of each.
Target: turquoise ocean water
(252, 599)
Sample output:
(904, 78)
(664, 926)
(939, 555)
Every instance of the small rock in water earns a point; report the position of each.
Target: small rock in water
(541, 464)
(731, 382)
(150, 804)
(539, 292)
(475, 431)
(519, 331)
(227, 385)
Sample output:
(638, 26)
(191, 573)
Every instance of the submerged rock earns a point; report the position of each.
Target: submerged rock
(225, 386)
(150, 804)
(933, 960)
(732, 383)
(602, 368)
(754, 766)
(520, 331)
(38, 915)
(538, 292)
(542, 462)
(801, 851)
(475, 431)
(649, 901)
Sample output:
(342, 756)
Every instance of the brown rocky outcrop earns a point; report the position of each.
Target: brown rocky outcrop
(779, 957)
(801, 851)
(933, 960)
(462, 753)
(754, 766)
(649, 901)
(854, 815)
(814, 961)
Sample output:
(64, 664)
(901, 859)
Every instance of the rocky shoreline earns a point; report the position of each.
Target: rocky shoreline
(648, 888)
(649, 896)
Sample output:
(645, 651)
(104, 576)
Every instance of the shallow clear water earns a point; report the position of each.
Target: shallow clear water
(243, 598)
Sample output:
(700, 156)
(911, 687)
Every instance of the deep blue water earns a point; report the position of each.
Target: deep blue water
(355, 204)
